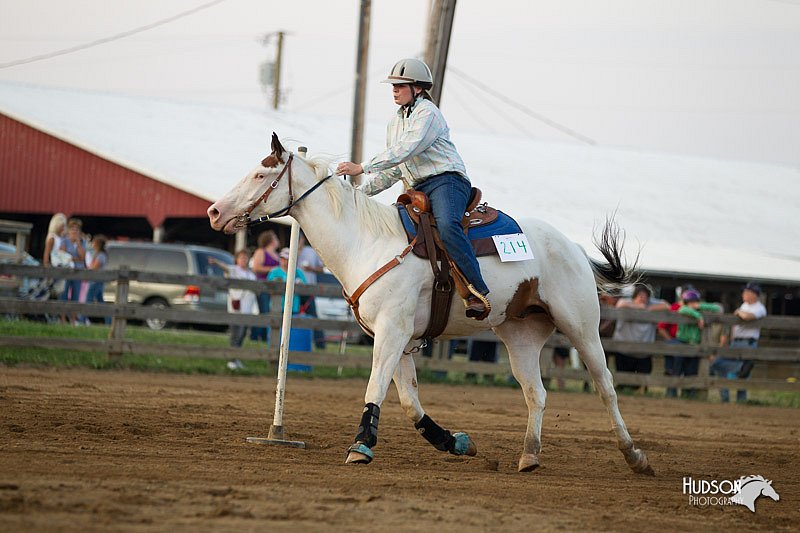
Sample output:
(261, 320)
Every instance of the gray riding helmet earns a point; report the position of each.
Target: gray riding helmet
(411, 71)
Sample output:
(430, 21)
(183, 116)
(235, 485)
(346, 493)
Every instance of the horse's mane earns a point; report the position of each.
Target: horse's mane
(745, 480)
(377, 218)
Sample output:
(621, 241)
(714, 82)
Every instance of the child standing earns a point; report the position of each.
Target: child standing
(279, 273)
(239, 300)
(99, 260)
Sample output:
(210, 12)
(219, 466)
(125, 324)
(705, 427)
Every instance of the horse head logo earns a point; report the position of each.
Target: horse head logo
(751, 488)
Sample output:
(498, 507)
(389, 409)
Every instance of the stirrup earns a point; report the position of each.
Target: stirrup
(475, 313)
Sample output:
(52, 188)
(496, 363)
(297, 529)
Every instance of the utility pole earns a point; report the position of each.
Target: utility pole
(276, 75)
(360, 97)
(437, 43)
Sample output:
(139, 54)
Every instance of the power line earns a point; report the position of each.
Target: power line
(463, 103)
(104, 40)
(473, 90)
(505, 99)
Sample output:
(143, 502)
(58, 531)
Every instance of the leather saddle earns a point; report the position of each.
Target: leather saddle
(480, 221)
(476, 214)
(428, 245)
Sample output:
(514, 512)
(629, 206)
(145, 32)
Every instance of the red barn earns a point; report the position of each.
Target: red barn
(42, 174)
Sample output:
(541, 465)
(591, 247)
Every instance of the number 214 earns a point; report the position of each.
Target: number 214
(509, 248)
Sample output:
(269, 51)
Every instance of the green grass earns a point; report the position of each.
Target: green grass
(26, 328)
(46, 357)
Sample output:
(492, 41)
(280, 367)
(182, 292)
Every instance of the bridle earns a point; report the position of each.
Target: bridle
(243, 220)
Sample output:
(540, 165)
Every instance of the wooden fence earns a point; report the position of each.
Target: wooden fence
(122, 312)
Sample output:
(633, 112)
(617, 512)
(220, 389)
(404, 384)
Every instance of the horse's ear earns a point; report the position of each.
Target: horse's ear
(277, 147)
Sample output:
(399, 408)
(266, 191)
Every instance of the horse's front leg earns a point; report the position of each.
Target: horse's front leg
(389, 342)
(405, 379)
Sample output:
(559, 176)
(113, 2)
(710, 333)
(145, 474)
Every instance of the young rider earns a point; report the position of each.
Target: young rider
(420, 153)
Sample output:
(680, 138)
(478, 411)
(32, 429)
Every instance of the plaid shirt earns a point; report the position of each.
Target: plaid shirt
(418, 147)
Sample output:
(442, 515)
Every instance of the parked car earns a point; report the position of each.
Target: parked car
(331, 308)
(172, 259)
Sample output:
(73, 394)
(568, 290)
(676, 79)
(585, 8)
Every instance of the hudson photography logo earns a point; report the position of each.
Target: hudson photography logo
(743, 491)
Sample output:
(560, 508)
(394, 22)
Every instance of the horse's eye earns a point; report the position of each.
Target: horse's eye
(259, 176)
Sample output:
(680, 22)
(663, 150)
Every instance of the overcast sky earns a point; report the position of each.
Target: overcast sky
(715, 78)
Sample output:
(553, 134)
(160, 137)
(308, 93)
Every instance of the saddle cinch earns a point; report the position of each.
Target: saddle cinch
(480, 223)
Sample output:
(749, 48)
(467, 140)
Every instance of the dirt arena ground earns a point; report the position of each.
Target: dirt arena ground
(124, 451)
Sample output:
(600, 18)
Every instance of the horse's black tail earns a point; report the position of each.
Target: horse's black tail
(614, 274)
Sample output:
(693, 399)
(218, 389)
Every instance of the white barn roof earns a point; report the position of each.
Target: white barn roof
(689, 214)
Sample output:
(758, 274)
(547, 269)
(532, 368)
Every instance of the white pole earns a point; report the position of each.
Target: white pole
(286, 327)
(276, 430)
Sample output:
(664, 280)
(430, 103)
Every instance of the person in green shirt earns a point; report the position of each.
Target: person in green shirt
(692, 333)
(279, 273)
(693, 307)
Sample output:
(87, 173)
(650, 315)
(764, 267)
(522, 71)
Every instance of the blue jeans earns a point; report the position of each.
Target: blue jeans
(72, 290)
(678, 365)
(729, 368)
(449, 193)
(95, 294)
(238, 334)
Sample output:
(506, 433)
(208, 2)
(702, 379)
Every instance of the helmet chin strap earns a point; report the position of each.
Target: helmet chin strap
(414, 97)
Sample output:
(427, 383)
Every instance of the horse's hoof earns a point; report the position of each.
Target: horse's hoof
(464, 445)
(638, 462)
(359, 453)
(528, 462)
(358, 458)
(647, 471)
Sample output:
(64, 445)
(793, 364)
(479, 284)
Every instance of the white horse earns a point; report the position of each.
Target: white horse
(355, 236)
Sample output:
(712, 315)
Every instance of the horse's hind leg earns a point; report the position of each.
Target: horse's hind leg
(591, 351)
(524, 340)
(405, 379)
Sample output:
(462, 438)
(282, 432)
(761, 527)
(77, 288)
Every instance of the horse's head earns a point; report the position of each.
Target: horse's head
(256, 194)
(751, 488)
(767, 490)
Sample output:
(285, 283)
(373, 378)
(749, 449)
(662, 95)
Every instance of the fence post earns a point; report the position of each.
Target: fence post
(116, 335)
(702, 368)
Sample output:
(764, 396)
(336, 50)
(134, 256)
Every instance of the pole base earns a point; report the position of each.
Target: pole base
(277, 442)
(276, 438)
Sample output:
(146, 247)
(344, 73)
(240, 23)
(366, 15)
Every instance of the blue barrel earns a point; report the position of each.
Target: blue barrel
(300, 340)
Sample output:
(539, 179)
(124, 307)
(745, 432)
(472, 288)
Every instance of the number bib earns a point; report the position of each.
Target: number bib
(513, 247)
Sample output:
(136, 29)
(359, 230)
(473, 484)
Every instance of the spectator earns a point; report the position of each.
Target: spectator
(667, 331)
(73, 245)
(633, 331)
(239, 300)
(98, 262)
(265, 258)
(691, 334)
(88, 258)
(280, 273)
(607, 325)
(56, 231)
(310, 264)
(742, 336)
(560, 358)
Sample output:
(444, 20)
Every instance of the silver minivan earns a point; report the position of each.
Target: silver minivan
(171, 259)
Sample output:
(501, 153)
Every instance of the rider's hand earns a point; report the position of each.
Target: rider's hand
(349, 169)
